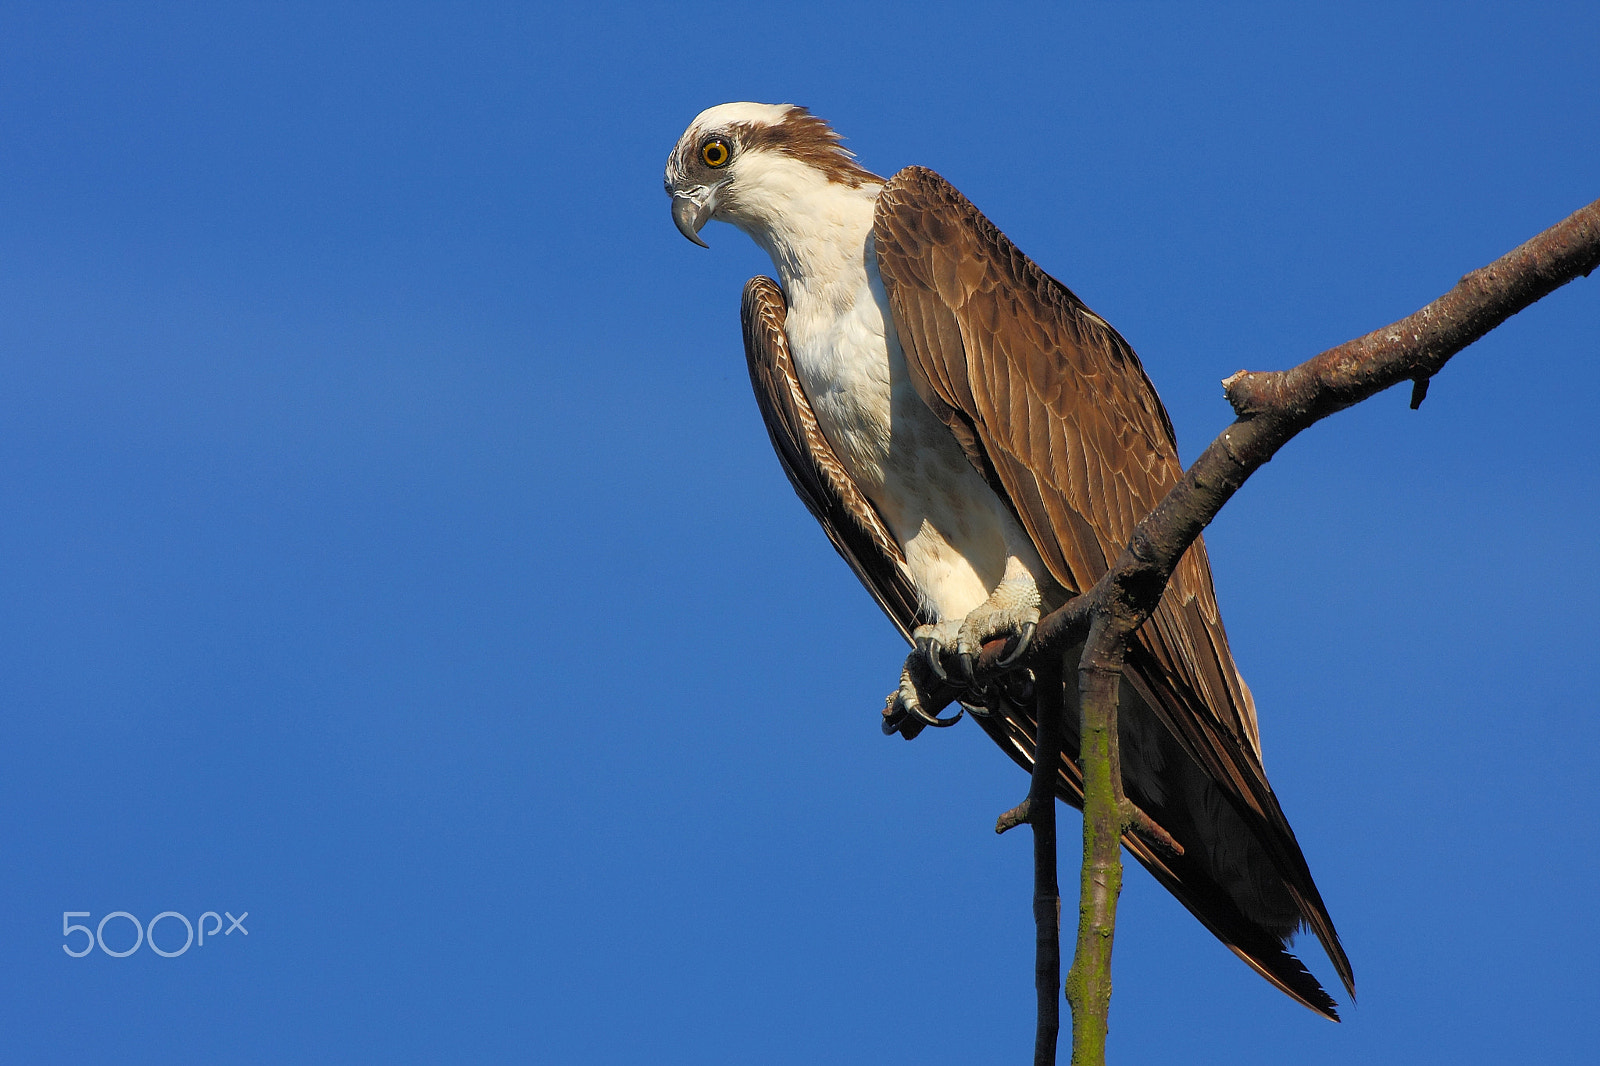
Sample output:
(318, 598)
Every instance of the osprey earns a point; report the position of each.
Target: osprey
(979, 445)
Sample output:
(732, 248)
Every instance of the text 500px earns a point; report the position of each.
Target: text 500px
(194, 933)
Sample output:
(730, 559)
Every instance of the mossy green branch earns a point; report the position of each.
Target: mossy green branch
(1100, 877)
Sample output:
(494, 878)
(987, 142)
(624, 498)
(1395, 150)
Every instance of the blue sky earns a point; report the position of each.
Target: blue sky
(393, 549)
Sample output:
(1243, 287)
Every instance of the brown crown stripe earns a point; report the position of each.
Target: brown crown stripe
(810, 140)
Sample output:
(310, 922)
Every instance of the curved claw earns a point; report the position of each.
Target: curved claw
(932, 653)
(1024, 640)
(934, 720)
(980, 701)
(964, 668)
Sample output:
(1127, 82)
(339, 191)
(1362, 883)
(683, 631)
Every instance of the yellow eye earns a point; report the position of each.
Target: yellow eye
(715, 152)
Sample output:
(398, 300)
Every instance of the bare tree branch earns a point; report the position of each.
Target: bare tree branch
(1041, 805)
(1272, 408)
(1104, 819)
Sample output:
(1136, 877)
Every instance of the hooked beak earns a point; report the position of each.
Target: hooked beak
(690, 210)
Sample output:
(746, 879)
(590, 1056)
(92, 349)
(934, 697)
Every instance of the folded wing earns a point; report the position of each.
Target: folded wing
(1054, 408)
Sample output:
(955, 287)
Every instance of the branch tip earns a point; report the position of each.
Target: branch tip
(1135, 819)
(1419, 391)
(1021, 814)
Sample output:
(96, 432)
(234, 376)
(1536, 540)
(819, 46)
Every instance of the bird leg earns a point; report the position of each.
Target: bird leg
(1010, 612)
(943, 666)
(920, 696)
(922, 692)
(931, 642)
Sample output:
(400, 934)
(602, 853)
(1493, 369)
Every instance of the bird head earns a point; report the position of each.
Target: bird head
(738, 163)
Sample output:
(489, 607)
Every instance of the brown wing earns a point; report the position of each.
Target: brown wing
(1055, 409)
(847, 516)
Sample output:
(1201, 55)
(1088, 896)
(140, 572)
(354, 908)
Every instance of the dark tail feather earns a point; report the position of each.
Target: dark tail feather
(1191, 879)
(1260, 949)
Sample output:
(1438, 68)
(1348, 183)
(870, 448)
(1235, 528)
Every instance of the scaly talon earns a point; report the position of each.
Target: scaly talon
(907, 701)
(1024, 640)
(1011, 612)
(932, 641)
(932, 653)
(988, 623)
(964, 668)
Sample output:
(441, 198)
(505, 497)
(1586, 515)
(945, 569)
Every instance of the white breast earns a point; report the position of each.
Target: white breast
(956, 533)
